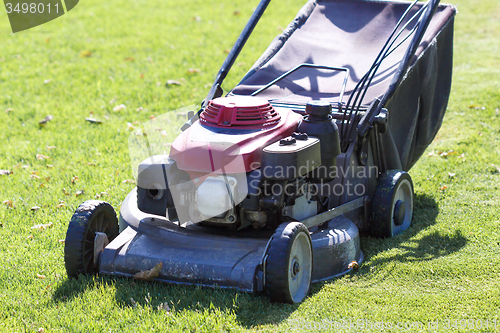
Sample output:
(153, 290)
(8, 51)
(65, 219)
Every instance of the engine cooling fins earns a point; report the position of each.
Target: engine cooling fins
(242, 112)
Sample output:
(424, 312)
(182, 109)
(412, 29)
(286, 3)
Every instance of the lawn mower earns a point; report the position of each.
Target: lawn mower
(268, 188)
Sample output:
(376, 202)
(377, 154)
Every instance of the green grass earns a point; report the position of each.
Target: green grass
(445, 267)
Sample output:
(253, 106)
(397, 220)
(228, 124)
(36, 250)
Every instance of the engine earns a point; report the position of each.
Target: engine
(244, 163)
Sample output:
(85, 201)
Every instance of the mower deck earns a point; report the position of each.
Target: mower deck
(199, 255)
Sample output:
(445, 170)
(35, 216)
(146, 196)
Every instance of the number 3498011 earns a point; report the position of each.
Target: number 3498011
(33, 8)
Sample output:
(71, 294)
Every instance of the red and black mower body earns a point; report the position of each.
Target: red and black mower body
(268, 188)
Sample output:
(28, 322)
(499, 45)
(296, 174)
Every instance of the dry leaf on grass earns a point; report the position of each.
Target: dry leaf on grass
(134, 303)
(93, 120)
(165, 307)
(129, 59)
(128, 181)
(5, 172)
(9, 110)
(50, 285)
(30, 237)
(139, 109)
(74, 179)
(62, 241)
(40, 276)
(46, 120)
(41, 157)
(193, 70)
(443, 188)
(149, 274)
(8, 203)
(50, 147)
(33, 176)
(173, 83)
(42, 227)
(99, 195)
(61, 204)
(120, 107)
(353, 265)
(85, 54)
(447, 153)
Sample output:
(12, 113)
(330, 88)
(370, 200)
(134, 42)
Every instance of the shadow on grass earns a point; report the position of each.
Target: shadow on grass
(414, 249)
(252, 310)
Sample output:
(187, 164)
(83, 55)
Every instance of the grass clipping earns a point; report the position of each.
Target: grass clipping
(150, 274)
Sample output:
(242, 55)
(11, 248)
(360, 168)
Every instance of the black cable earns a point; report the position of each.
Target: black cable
(374, 66)
(388, 52)
(382, 51)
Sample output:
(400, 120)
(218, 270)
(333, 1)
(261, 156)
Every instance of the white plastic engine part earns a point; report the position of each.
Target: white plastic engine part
(213, 198)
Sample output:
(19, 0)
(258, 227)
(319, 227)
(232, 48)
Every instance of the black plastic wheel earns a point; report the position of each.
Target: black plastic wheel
(90, 217)
(392, 204)
(289, 263)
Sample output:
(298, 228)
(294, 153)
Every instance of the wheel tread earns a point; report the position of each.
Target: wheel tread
(76, 234)
(277, 261)
(381, 214)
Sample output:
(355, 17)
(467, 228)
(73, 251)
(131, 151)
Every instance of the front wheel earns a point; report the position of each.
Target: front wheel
(93, 225)
(392, 204)
(289, 263)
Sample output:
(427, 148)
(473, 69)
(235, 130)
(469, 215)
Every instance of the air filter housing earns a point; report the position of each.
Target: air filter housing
(239, 112)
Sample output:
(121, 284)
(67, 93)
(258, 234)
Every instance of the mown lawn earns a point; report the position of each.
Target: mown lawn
(103, 54)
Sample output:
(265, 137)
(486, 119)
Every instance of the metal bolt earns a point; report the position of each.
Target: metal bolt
(295, 268)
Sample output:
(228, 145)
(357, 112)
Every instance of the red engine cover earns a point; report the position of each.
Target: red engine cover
(239, 111)
(221, 142)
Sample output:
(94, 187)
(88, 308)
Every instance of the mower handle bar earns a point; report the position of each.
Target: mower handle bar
(364, 125)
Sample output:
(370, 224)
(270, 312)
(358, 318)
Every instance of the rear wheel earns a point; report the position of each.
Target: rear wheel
(93, 225)
(289, 263)
(392, 204)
